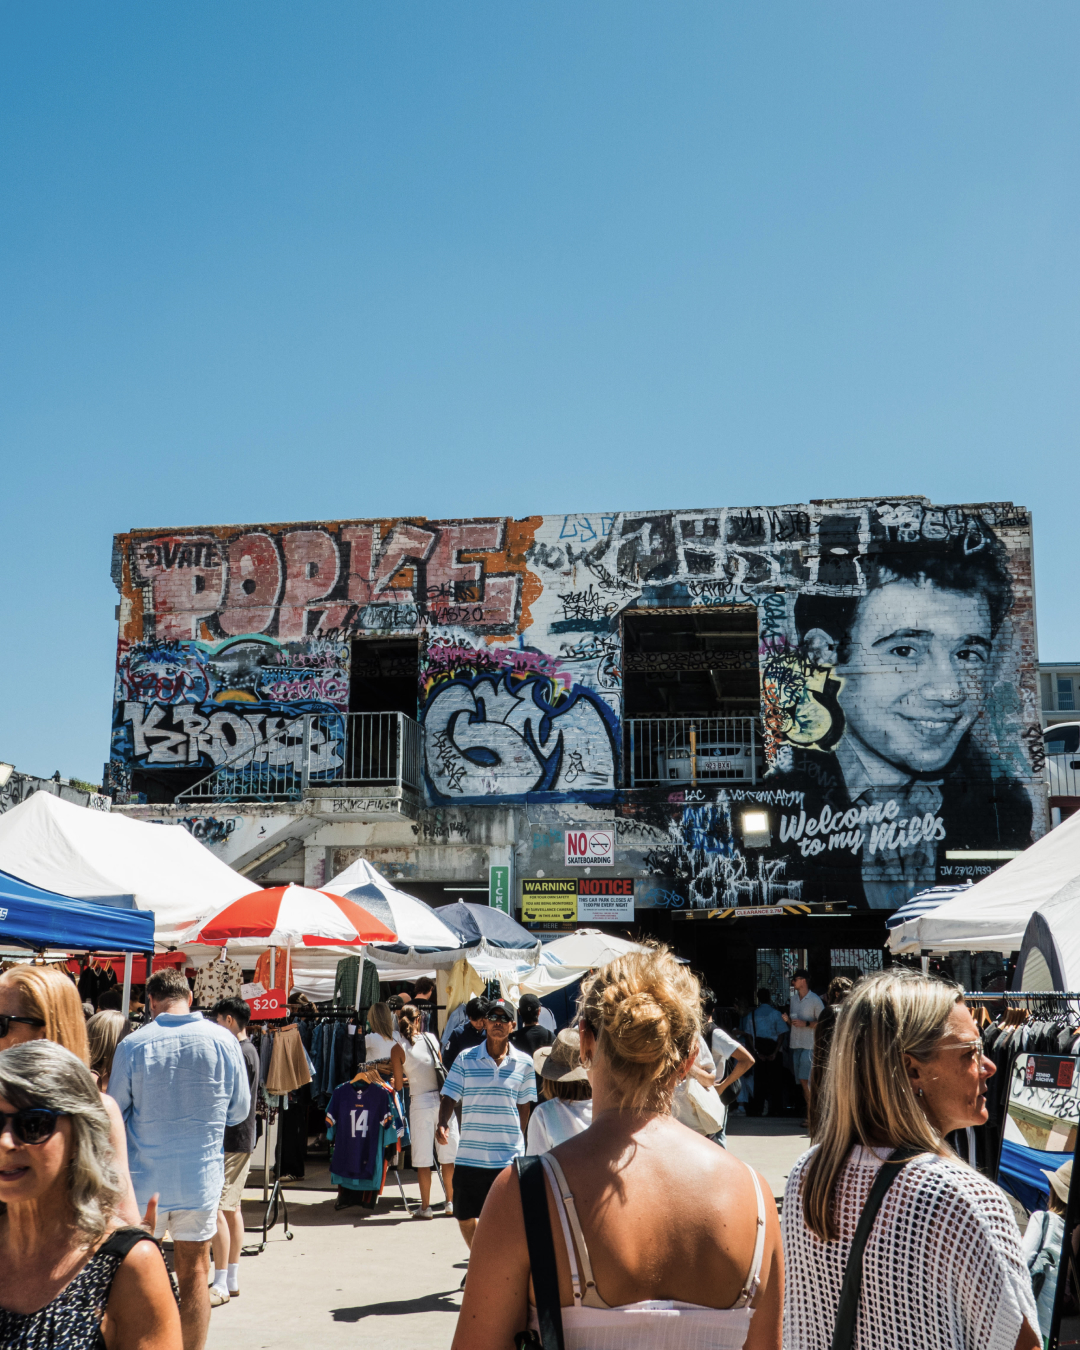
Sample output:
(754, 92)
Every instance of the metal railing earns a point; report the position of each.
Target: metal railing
(1063, 775)
(693, 750)
(316, 750)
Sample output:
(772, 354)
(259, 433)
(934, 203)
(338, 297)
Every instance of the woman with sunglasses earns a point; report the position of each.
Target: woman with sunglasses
(943, 1267)
(42, 1003)
(72, 1276)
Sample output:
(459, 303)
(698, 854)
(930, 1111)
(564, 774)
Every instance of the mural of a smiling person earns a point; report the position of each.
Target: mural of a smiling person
(889, 743)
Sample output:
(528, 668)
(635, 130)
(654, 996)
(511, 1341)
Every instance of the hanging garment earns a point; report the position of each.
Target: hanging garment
(370, 987)
(293, 1124)
(262, 968)
(346, 980)
(288, 1063)
(218, 980)
(463, 984)
(363, 1121)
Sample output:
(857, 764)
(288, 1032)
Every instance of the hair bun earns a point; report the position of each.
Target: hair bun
(637, 1024)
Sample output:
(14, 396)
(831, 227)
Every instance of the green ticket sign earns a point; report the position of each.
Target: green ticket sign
(499, 888)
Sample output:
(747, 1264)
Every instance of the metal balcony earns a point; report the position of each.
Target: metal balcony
(693, 751)
(319, 755)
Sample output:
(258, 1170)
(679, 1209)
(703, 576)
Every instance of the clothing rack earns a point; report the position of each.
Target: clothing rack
(274, 1196)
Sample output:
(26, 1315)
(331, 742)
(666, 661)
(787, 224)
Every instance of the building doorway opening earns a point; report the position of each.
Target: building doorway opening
(691, 701)
(384, 676)
(691, 663)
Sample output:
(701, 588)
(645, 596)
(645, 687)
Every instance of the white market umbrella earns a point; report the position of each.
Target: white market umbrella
(589, 947)
(417, 925)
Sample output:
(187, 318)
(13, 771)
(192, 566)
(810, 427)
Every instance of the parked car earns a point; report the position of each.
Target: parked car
(1062, 746)
(717, 757)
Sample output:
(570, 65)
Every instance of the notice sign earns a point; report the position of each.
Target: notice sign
(605, 899)
(545, 900)
(590, 848)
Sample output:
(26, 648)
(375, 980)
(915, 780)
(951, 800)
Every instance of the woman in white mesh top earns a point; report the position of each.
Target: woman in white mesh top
(943, 1267)
(662, 1239)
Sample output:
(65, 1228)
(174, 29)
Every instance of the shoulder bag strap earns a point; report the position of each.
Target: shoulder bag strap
(120, 1242)
(545, 1274)
(848, 1309)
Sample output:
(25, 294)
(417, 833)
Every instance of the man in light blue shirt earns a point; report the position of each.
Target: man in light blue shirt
(178, 1082)
(495, 1084)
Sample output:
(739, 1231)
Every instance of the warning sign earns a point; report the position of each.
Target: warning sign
(605, 899)
(549, 900)
(590, 848)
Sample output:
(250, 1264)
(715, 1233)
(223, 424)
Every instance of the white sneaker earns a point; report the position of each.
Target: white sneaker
(448, 1208)
(425, 1213)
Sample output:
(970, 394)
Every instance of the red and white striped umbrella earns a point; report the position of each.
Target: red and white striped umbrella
(291, 916)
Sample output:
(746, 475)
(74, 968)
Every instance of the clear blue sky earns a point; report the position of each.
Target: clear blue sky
(267, 261)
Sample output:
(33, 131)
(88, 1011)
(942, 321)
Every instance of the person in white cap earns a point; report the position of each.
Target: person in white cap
(567, 1106)
(1043, 1237)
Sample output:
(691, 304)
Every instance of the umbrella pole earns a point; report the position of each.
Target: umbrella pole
(125, 1006)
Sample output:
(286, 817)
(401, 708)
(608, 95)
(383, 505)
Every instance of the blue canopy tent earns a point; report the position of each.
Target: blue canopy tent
(30, 917)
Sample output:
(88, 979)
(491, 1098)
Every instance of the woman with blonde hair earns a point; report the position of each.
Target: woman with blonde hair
(422, 1063)
(105, 1030)
(925, 1249)
(637, 1232)
(41, 1003)
(71, 1273)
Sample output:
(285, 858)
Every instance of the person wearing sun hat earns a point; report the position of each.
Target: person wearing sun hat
(1043, 1238)
(567, 1106)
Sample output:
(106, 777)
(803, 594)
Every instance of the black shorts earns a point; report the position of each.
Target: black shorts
(471, 1185)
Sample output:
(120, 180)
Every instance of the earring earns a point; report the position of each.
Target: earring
(919, 1093)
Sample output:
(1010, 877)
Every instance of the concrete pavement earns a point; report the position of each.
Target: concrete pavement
(385, 1279)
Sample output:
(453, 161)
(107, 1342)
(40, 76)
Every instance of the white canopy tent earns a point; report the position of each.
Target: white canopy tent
(96, 855)
(992, 915)
(1050, 952)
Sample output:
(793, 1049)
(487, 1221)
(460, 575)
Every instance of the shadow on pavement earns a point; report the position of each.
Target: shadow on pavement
(428, 1303)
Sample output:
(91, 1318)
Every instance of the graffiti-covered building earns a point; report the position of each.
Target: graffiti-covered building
(746, 730)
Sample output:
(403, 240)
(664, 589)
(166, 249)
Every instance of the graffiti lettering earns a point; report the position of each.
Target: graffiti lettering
(516, 735)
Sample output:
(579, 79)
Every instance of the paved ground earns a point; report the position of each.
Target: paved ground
(388, 1280)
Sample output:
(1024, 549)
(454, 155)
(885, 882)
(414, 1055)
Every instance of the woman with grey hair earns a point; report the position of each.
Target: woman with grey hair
(70, 1275)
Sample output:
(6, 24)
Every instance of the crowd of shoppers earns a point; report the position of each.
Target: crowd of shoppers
(570, 1152)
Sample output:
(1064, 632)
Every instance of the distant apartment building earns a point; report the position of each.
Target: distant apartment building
(1059, 690)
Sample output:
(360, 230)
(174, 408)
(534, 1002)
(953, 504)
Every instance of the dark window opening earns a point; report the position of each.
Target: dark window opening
(384, 676)
(699, 664)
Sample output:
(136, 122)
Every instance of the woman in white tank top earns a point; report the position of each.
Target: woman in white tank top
(662, 1239)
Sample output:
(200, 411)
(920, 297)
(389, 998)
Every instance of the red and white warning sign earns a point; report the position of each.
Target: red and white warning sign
(590, 847)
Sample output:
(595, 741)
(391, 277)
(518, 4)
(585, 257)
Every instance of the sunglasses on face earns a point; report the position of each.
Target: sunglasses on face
(31, 1125)
(6, 1019)
(500, 1018)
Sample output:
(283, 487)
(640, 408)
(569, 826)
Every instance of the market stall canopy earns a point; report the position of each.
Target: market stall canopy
(289, 916)
(1050, 952)
(924, 902)
(991, 916)
(473, 922)
(589, 947)
(39, 919)
(416, 924)
(98, 855)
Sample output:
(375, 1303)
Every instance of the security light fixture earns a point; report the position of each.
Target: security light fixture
(6, 770)
(755, 829)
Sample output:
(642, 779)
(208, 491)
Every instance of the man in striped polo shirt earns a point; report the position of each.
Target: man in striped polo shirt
(495, 1085)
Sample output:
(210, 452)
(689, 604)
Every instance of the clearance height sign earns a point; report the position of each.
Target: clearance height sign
(577, 899)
